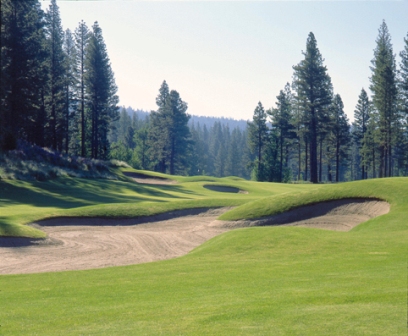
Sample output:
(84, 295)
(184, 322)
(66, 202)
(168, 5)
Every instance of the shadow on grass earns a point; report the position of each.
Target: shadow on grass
(71, 193)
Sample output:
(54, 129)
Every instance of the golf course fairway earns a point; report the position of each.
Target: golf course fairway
(268, 280)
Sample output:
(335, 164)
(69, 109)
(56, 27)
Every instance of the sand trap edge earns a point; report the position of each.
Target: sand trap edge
(338, 215)
(225, 189)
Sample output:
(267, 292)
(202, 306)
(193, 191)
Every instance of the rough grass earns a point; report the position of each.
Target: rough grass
(254, 281)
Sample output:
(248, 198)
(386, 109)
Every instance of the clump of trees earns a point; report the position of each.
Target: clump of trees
(165, 142)
(309, 137)
(57, 87)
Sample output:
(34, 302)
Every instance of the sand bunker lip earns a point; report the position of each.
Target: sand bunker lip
(148, 179)
(226, 189)
(88, 243)
(338, 215)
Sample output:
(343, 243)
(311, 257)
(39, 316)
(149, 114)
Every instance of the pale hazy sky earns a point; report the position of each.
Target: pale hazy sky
(225, 56)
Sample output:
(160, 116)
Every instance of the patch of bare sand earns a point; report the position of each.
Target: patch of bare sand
(147, 179)
(340, 215)
(83, 243)
(225, 189)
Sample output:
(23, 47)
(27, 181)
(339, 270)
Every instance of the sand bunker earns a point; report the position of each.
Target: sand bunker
(224, 189)
(147, 179)
(80, 243)
(340, 215)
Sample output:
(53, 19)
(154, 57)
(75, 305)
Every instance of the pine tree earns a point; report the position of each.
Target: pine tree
(315, 95)
(403, 80)
(141, 141)
(101, 92)
(233, 165)
(157, 136)
(340, 133)
(403, 107)
(81, 42)
(55, 93)
(360, 124)
(22, 72)
(71, 120)
(169, 134)
(281, 118)
(299, 128)
(383, 87)
(258, 137)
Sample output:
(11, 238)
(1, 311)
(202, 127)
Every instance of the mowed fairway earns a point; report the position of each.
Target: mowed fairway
(260, 280)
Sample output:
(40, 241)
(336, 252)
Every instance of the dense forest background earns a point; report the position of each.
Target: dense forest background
(58, 90)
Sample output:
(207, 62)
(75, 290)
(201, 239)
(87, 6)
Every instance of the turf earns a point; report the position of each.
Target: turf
(260, 281)
(22, 202)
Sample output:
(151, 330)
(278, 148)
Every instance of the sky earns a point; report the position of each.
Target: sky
(223, 57)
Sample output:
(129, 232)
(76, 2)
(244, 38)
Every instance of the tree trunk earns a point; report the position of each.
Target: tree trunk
(337, 159)
(321, 160)
(306, 161)
(281, 158)
(313, 150)
(299, 160)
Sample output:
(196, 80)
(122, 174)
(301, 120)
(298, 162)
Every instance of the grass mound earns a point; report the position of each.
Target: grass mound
(30, 162)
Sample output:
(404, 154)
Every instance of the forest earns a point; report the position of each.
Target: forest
(58, 91)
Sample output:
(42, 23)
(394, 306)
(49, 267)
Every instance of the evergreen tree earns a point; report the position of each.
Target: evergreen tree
(402, 144)
(281, 118)
(71, 120)
(299, 129)
(141, 149)
(361, 118)
(370, 146)
(101, 92)
(403, 80)
(169, 134)
(340, 133)
(22, 72)
(257, 138)
(383, 87)
(55, 94)
(234, 161)
(81, 42)
(315, 95)
(157, 136)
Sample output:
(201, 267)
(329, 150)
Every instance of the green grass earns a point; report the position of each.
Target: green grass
(22, 202)
(259, 281)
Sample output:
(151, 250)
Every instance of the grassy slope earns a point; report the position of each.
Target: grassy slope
(263, 281)
(22, 202)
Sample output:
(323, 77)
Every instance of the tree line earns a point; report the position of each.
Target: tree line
(308, 136)
(165, 141)
(58, 90)
(57, 87)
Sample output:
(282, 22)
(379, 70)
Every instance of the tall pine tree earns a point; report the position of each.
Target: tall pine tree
(55, 94)
(282, 119)
(383, 87)
(315, 95)
(258, 137)
(22, 72)
(360, 125)
(81, 43)
(101, 93)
